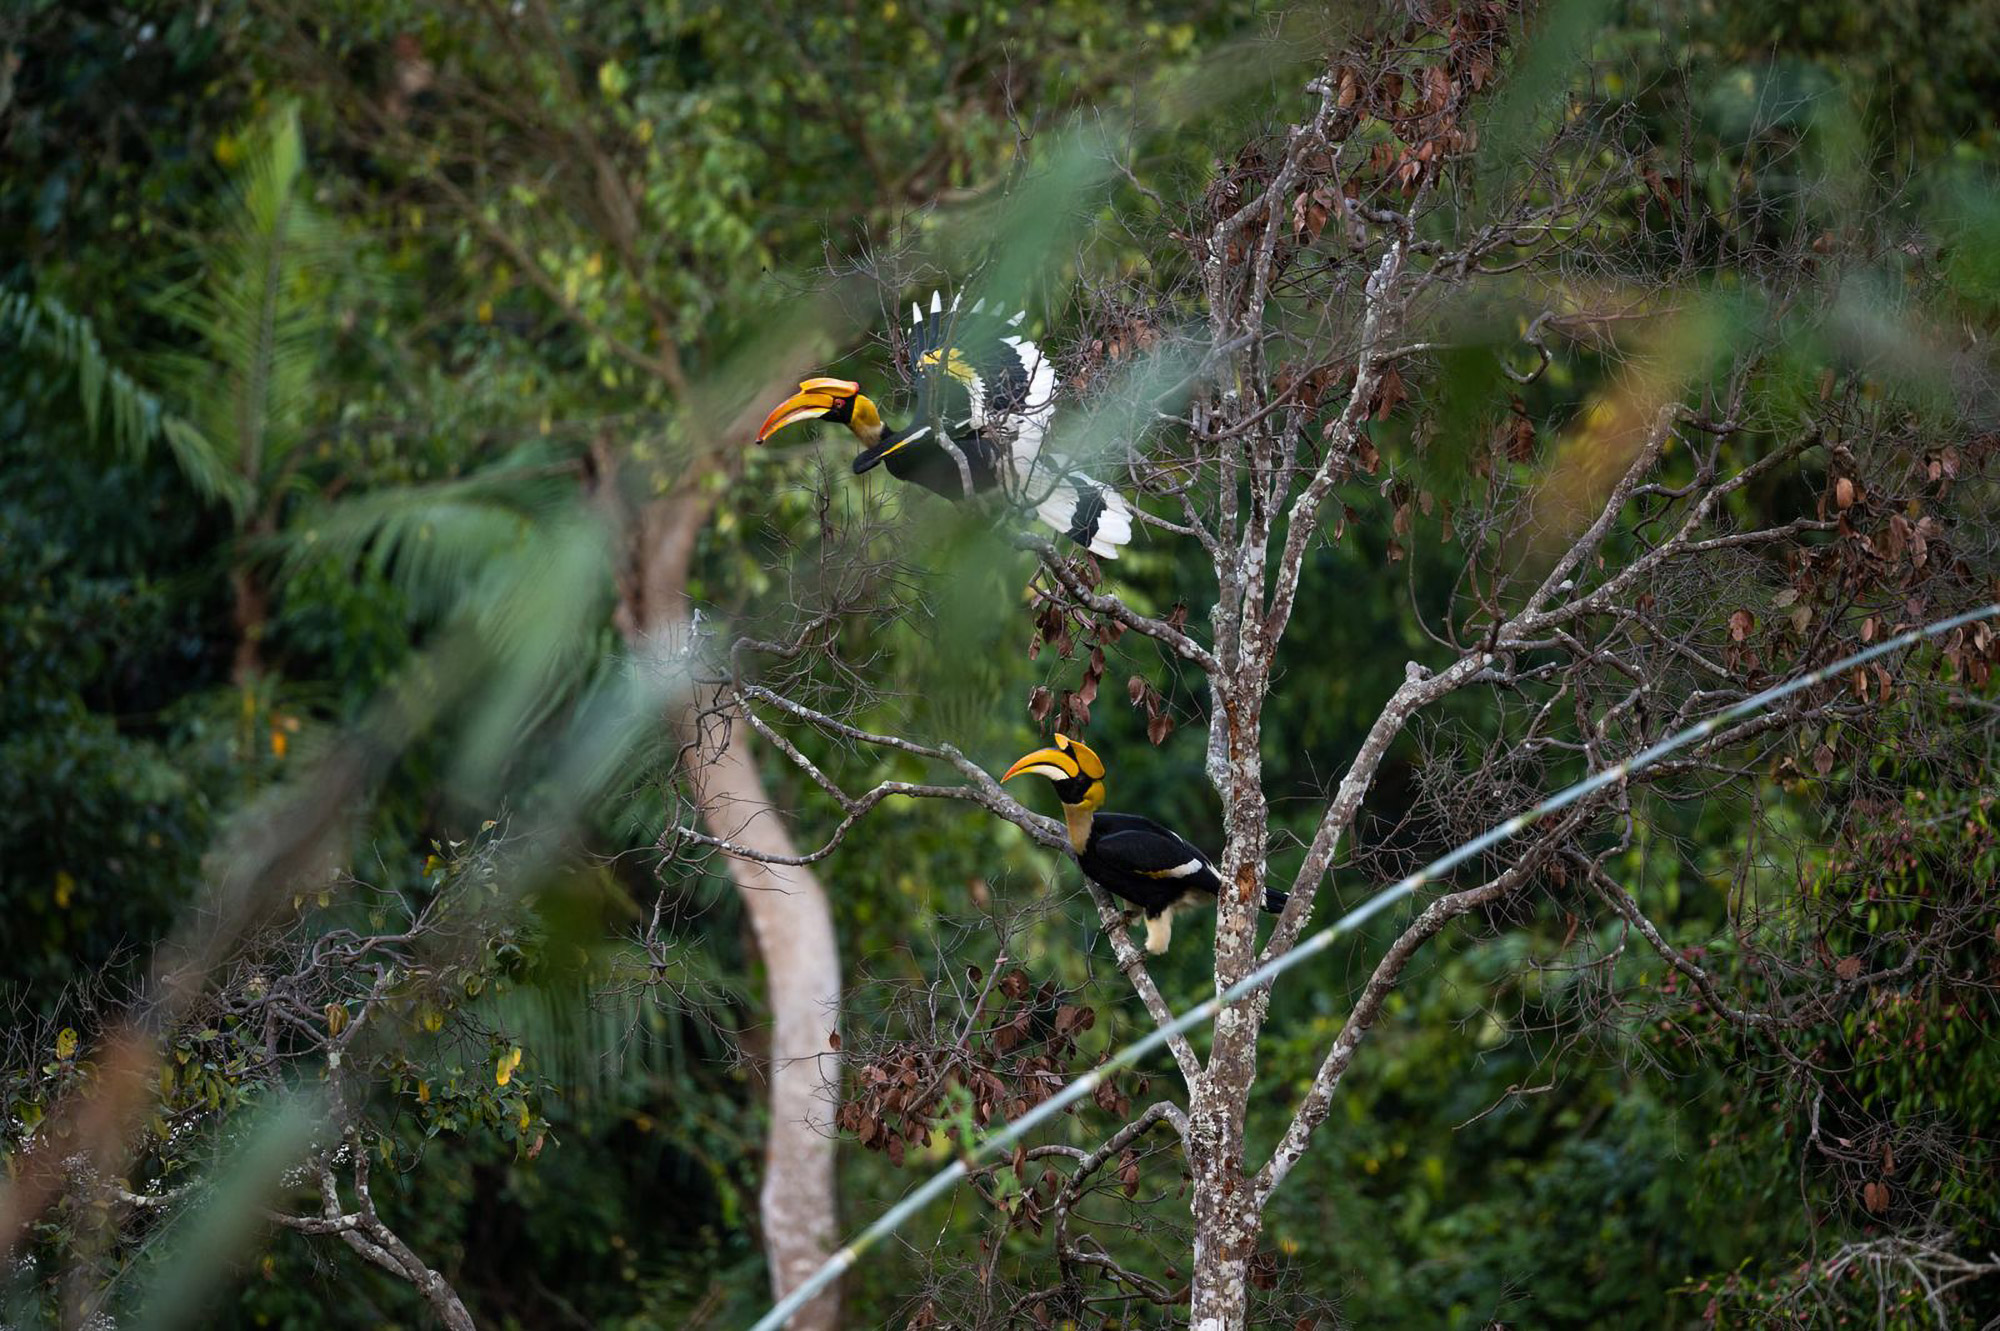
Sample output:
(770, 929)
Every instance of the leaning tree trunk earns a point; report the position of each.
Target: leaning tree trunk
(793, 925)
(789, 915)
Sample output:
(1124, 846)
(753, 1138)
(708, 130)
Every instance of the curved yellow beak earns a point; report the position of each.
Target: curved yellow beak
(815, 398)
(1051, 763)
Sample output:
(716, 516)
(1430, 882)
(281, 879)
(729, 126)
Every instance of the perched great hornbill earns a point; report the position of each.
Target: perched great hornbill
(1130, 857)
(988, 391)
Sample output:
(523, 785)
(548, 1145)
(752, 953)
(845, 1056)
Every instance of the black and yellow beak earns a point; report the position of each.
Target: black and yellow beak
(815, 398)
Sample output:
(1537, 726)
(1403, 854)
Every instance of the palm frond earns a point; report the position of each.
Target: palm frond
(116, 406)
(439, 544)
(262, 312)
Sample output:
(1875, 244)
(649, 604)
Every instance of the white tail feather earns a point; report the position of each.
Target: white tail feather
(1114, 520)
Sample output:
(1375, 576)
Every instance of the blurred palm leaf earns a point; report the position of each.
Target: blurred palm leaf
(439, 544)
(260, 316)
(113, 401)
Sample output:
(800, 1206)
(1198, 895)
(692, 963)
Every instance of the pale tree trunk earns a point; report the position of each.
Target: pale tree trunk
(1226, 1220)
(793, 925)
(1225, 1237)
(789, 915)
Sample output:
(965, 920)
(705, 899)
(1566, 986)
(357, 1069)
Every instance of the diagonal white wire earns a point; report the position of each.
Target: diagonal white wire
(997, 1142)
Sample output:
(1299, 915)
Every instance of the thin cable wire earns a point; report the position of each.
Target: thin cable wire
(997, 1142)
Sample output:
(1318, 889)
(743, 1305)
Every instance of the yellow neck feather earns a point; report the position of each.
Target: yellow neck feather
(1077, 817)
(865, 421)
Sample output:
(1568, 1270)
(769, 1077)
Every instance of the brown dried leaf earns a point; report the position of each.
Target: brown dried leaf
(1077, 710)
(1158, 727)
(1521, 442)
(1848, 968)
(1823, 759)
(1389, 393)
(1741, 625)
(1039, 702)
(1135, 689)
(1843, 493)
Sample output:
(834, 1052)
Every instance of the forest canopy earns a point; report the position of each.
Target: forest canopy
(632, 626)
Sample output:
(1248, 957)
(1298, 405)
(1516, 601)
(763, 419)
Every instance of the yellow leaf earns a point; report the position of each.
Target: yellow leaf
(486, 311)
(336, 1018)
(432, 864)
(277, 744)
(504, 1073)
(66, 1043)
(423, 1092)
(65, 888)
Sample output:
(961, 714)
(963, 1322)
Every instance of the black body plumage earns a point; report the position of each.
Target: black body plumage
(930, 464)
(1153, 867)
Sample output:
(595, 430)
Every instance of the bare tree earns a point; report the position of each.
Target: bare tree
(1714, 519)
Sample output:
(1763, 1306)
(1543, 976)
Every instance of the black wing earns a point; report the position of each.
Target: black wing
(1141, 846)
(977, 373)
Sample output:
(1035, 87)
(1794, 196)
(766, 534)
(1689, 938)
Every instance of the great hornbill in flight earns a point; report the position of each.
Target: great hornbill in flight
(987, 392)
(1133, 858)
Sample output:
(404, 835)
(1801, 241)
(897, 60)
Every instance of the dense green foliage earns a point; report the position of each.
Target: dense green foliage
(372, 280)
